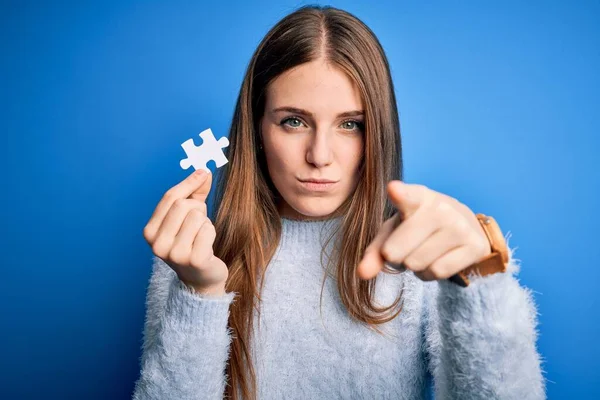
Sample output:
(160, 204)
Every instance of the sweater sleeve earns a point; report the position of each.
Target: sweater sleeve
(480, 341)
(186, 340)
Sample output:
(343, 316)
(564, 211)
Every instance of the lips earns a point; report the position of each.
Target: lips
(311, 180)
(313, 185)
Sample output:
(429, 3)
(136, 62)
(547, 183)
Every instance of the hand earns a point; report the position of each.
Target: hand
(438, 236)
(181, 234)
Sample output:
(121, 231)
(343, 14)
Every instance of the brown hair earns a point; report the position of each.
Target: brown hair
(247, 221)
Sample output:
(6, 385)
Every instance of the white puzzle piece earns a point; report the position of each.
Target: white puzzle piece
(210, 149)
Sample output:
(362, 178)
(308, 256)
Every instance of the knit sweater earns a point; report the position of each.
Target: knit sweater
(477, 342)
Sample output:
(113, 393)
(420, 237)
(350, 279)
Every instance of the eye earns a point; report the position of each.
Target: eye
(292, 122)
(352, 125)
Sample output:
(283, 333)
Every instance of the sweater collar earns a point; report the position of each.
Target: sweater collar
(298, 236)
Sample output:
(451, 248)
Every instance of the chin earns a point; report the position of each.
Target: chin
(315, 208)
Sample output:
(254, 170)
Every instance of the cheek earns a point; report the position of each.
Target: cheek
(281, 158)
(276, 153)
(351, 154)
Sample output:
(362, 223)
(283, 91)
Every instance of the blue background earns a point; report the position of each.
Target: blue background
(499, 108)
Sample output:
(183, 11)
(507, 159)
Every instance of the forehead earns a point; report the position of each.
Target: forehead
(315, 86)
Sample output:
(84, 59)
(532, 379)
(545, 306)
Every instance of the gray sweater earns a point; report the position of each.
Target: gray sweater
(477, 342)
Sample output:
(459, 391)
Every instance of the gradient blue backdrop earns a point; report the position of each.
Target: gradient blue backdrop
(499, 107)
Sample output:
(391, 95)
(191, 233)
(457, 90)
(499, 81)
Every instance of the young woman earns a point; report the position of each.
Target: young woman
(288, 295)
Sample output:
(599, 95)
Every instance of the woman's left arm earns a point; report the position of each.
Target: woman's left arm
(480, 339)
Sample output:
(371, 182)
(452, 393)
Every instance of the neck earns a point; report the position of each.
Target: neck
(288, 213)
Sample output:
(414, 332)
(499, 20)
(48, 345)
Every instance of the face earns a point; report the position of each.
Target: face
(313, 136)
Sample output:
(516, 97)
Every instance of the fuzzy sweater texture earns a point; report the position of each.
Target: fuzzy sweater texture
(448, 342)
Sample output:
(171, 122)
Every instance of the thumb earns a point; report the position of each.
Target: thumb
(405, 197)
(202, 192)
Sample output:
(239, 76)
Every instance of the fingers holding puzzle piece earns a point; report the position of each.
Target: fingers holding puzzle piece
(210, 149)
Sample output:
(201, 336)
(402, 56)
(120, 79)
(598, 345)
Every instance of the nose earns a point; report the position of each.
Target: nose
(320, 153)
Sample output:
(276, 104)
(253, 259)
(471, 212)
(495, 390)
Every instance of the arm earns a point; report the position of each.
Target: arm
(480, 341)
(186, 340)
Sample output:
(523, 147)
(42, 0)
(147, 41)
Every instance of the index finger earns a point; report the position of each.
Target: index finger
(372, 261)
(196, 185)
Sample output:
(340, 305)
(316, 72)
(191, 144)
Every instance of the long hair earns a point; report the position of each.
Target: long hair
(247, 220)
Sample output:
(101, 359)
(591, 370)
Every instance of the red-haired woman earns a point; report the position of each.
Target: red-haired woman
(324, 276)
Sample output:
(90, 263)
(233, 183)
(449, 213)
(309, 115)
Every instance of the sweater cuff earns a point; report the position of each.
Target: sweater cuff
(208, 314)
(478, 286)
(484, 293)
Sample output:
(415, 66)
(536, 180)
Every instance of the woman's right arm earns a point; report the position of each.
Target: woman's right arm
(186, 340)
(186, 337)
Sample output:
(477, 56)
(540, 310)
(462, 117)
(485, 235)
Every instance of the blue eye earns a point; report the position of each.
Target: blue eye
(292, 122)
(352, 125)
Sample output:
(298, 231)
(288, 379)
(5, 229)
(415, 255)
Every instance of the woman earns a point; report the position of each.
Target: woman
(306, 218)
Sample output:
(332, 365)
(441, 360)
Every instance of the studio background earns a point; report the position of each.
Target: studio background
(499, 107)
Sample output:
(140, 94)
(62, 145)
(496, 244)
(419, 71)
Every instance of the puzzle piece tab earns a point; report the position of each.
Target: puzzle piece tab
(210, 149)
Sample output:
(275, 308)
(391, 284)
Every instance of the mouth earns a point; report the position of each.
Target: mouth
(317, 185)
(317, 180)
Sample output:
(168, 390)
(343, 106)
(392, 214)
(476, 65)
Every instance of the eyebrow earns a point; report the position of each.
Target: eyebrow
(354, 113)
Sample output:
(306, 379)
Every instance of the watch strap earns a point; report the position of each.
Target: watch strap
(492, 263)
(489, 265)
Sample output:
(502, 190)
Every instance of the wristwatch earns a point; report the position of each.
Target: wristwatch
(491, 264)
